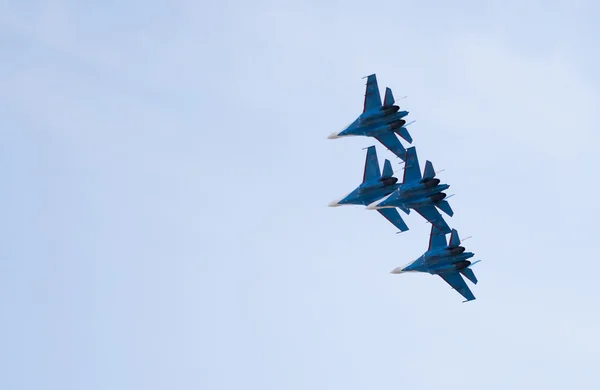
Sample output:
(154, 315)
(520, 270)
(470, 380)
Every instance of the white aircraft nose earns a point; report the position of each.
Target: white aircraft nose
(334, 135)
(397, 270)
(375, 205)
(334, 203)
(372, 206)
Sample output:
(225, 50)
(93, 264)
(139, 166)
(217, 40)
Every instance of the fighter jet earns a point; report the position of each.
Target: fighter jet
(379, 121)
(375, 185)
(420, 193)
(447, 261)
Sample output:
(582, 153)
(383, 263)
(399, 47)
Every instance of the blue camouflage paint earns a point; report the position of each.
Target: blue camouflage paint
(380, 121)
(422, 193)
(375, 186)
(449, 261)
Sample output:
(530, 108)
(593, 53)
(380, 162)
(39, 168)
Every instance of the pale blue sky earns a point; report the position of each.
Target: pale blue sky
(166, 172)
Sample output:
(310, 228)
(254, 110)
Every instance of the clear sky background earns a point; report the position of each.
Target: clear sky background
(165, 179)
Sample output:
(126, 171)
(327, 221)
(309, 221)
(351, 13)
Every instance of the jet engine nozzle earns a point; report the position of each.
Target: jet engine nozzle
(389, 181)
(397, 124)
(390, 109)
(456, 250)
(437, 197)
(428, 183)
(462, 264)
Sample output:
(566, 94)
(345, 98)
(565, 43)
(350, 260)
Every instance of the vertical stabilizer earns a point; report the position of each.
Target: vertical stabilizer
(387, 169)
(372, 97)
(454, 238)
(389, 98)
(445, 207)
(412, 172)
(469, 274)
(429, 172)
(371, 171)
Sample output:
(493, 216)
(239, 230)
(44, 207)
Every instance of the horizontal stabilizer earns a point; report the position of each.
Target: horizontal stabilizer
(457, 282)
(404, 208)
(434, 217)
(387, 169)
(402, 132)
(429, 172)
(445, 207)
(389, 140)
(389, 98)
(469, 274)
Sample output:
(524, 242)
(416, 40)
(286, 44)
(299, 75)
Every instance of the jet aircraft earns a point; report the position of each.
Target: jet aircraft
(375, 185)
(448, 261)
(422, 193)
(380, 121)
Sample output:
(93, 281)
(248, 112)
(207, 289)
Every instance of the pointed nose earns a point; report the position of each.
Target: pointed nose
(334, 203)
(398, 270)
(375, 205)
(334, 135)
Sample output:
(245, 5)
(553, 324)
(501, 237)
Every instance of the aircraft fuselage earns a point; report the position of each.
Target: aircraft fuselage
(374, 124)
(440, 261)
(421, 191)
(415, 196)
(370, 192)
(383, 114)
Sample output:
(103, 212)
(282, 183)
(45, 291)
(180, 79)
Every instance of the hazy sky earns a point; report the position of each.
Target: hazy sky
(165, 179)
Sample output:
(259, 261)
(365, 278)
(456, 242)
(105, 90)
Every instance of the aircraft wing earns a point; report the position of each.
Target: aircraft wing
(437, 239)
(394, 217)
(371, 165)
(372, 96)
(431, 214)
(390, 141)
(458, 283)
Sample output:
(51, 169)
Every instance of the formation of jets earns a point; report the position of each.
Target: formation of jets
(423, 193)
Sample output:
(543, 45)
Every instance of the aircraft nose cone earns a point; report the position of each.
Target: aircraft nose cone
(334, 135)
(375, 205)
(398, 270)
(334, 203)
